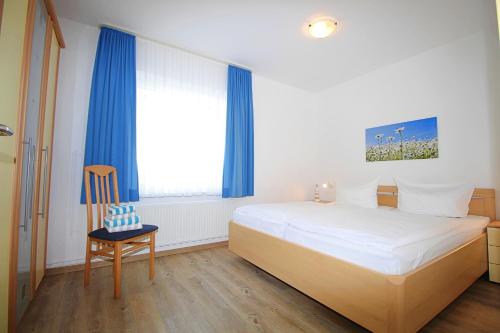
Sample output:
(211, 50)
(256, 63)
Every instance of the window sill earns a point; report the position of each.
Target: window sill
(179, 200)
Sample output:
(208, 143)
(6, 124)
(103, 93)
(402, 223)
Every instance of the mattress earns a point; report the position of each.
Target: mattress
(384, 239)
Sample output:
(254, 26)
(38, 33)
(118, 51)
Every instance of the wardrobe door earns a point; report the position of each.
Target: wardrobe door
(29, 162)
(46, 159)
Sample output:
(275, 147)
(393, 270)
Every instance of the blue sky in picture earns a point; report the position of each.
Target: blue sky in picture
(422, 129)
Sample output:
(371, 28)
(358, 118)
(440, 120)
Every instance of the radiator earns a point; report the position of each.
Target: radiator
(190, 223)
(181, 224)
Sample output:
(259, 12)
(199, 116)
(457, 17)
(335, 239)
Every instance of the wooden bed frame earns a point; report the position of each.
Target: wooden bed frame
(376, 301)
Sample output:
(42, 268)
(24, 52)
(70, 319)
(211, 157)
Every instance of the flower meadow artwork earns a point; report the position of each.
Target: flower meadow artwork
(411, 140)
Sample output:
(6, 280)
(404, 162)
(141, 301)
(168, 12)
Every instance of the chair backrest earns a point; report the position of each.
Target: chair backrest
(102, 184)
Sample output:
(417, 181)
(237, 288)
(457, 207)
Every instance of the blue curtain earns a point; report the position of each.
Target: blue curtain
(111, 137)
(238, 174)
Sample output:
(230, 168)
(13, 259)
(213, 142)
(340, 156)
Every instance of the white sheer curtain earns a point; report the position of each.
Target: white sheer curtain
(181, 118)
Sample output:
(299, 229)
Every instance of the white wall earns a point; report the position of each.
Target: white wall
(67, 226)
(301, 138)
(285, 153)
(493, 57)
(451, 82)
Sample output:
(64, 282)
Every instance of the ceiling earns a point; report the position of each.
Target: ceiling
(269, 36)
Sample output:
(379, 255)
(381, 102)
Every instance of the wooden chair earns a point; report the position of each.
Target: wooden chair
(111, 246)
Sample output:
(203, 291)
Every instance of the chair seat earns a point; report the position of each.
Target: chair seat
(122, 235)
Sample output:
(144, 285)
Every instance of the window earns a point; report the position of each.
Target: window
(181, 117)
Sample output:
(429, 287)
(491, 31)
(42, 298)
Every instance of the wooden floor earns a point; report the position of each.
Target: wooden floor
(215, 291)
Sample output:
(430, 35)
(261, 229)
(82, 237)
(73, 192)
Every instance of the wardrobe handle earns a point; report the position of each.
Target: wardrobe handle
(31, 182)
(28, 175)
(45, 175)
(5, 130)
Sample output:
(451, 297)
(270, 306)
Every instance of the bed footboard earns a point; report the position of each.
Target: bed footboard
(432, 287)
(378, 302)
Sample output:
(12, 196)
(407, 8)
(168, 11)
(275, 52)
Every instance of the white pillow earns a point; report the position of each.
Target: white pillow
(364, 195)
(449, 200)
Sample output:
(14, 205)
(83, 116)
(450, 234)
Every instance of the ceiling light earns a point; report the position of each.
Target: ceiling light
(323, 27)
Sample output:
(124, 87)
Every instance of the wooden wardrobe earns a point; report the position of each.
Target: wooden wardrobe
(43, 40)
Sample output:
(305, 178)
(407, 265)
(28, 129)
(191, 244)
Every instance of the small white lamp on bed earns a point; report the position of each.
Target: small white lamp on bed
(326, 185)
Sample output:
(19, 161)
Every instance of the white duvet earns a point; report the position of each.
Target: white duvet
(384, 239)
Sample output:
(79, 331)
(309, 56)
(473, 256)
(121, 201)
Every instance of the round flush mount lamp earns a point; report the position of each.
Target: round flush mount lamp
(322, 27)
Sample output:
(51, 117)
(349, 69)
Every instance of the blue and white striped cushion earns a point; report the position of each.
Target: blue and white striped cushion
(125, 227)
(121, 209)
(112, 223)
(121, 216)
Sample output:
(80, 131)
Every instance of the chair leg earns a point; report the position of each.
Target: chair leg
(152, 256)
(117, 268)
(86, 275)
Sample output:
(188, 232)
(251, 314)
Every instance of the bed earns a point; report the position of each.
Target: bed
(394, 285)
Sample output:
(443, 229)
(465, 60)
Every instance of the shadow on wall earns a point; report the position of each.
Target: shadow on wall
(493, 70)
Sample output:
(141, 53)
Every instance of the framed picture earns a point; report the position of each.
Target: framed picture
(411, 140)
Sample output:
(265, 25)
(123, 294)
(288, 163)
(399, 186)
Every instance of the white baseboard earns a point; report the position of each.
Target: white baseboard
(158, 248)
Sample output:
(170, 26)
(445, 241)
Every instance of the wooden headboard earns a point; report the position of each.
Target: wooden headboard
(481, 204)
